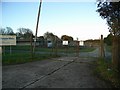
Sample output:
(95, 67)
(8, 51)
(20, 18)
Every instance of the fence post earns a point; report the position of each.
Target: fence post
(77, 48)
(31, 46)
(10, 49)
(56, 46)
(102, 52)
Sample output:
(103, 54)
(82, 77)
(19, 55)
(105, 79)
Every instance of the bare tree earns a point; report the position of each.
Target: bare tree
(7, 31)
(24, 33)
(2, 31)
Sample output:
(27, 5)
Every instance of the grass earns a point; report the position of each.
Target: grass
(19, 58)
(69, 49)
(21, 54)
(17, 47)
(87, 49)
(59, 49)
(105, 71)
(109, 48)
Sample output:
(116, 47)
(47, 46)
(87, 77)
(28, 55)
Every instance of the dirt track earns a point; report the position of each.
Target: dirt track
(63, 72)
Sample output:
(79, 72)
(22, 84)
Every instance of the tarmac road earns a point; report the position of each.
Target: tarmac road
(63, 72)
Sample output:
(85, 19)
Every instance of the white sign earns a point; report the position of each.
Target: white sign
(7, 40)
(65, 42)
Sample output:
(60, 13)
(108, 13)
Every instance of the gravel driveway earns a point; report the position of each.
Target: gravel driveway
(63, 72)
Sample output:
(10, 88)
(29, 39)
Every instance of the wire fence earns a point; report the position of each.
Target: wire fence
(24, 53)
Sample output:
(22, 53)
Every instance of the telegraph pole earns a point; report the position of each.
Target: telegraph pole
(37, 26)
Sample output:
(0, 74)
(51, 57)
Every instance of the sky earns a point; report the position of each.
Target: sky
(77, 19)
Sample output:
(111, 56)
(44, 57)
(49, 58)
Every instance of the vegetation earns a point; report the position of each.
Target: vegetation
(19, 58)
(107, 72)
(111, 12)
(66, 37)
(109, 48)
(22, 54)
(41, 49)
(49, 35)
(7, 31)
(108, 40)
(24, 33)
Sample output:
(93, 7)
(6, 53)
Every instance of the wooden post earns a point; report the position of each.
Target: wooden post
(4, 50)
(77, 48)
(119, 53)
(10, 50)
(37, 26)
(0, 50)
(102, 52)
(31, 46)
(55, 46)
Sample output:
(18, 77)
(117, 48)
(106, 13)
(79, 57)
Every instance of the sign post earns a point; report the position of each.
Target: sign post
(7, 40)
(65, 43)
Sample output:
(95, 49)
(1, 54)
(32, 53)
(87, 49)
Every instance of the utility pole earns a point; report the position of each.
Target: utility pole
(37, 26)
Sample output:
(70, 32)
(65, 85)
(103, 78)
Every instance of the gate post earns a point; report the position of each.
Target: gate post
(102, 52)
(77, 48)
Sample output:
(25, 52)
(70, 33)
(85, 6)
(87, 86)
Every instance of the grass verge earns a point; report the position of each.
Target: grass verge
(21, 54)
(106, 72)
(69, 49)
(87, 49)
(19, 58)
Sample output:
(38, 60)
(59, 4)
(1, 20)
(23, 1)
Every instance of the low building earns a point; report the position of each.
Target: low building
(26, 42)
(73, 43)
(92, 43)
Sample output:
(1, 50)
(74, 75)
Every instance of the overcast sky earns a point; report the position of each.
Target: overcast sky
(76, 19)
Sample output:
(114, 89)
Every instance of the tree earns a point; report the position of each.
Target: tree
(111, 12)
(108, 39)
(7, 31)
(24, 33)
(41, 41)
(49, 35)
(2, 31)
(66, 37)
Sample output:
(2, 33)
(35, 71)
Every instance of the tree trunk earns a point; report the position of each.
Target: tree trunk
(115, 52)
(119, 53)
